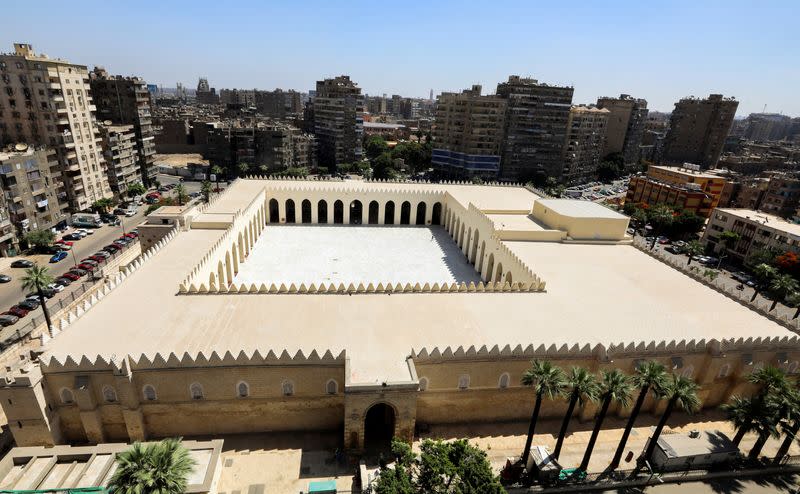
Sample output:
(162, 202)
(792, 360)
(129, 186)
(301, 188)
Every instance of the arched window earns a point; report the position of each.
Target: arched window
(463, 381)
(109, 394)
(196, 391)
(66, 396)
(149, 392)
(724, 371)
(503, 382)
(287, 387)
(687, 372)
(423, 383)
(792, 369)
(332, 387)
(242, 390)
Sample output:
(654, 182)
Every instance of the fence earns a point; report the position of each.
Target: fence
(69, 296)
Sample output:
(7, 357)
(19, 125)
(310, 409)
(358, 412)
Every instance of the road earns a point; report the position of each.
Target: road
(754, 485)
(11, 293)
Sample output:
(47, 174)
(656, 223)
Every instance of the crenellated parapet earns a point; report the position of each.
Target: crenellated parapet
(369, 288)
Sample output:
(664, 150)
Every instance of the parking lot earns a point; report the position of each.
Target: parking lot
(597, 191)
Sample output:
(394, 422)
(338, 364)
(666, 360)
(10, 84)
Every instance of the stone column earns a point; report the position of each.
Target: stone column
(381, 212)
(429, 214)
(90, 416)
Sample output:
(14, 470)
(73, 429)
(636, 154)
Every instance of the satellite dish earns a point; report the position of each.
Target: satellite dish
(107, 122)
(21, 146)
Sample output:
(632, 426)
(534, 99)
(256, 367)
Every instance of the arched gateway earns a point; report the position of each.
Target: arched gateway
(379, 424)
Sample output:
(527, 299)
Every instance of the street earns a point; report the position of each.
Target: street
(12, 293)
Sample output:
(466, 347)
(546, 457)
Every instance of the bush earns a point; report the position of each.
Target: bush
(39, 239)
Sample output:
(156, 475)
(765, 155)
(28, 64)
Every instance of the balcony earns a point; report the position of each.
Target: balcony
(58, 98)
(92, 108)
(54, 85)
(63, 121)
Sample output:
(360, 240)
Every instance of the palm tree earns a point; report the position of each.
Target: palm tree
(765, 424)
(546, 380)
(205, 190)
(37, 278)
(161, 467)
(180, 192)
(661, 216)
(782, 285)
(216, 170)
(741, 413)
(242, 168)
(764, 272)
(767, 403)
(790, 425)
(650, 376)
(616, 386)
(771, 379)
(583, 387)
(793, 300)
(693, 248)
(681, 392)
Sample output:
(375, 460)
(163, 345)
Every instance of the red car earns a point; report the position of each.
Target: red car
(86, 267)
(96, 258)
(64, 242)
(71, 276)
(16, 311)
(89, 260)
(130, 236)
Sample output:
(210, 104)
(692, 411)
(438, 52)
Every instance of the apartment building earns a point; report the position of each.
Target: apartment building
(267, 148)
(535, 128)
(468, 134)
(121, 153)
(626, 124)
(30, 201)
(586, 135)
(126, 101)
(767, 127)
(698, 129)
(782, 196)
(757, 231)
(241, 97)
(337, 111)
(683, 188)
(47, 101)
(278, 103)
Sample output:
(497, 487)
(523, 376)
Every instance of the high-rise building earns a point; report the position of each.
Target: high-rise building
(468, 134)
(767, 127)
(586, 135)
(278, 103)
(535, 128)
(126, 101)
(626, 124)
(122, 157)
(205, 94)
(698, 129)
(338, 108)
(29, 201)
(49, 102)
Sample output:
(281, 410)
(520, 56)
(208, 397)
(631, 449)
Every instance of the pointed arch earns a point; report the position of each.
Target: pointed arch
(479, 259)
(274, 214)
(220, 274)
(405, 213)
(436, 214)
(509, 278)
(422, 212)
(388, 213)
(473, 255)
(338, 212)
(290, 218)
(487, 274)
(235, 258)
(356, 212)
(305, 212)
(322, 212)
(228, 267)
(373, 213)
(498, 277)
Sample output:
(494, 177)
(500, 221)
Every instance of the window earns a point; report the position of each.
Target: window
(792, 368)
(242, 390)
(109, 394)
(149, 392)
(463, 381)
(66, 396)
(196, 391)
(724, 371)
(423, 383)
(503, 382)
(687, 373)
(332, 387)
(287, 387)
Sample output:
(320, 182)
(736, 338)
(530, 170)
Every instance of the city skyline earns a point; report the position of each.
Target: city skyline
(660, 54)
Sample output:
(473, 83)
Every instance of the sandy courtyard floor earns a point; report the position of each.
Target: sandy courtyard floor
(355, 254)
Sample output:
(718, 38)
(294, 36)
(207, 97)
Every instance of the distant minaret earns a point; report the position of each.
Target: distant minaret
(431, 96)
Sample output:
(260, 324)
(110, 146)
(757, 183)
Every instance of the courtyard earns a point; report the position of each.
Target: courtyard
(355, 254)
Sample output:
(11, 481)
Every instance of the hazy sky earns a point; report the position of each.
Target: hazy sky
(750, 50)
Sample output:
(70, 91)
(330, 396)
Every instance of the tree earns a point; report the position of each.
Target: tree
(205, 190)
(39, 239)
(583, 387)
(102, 205)
(793, 300)
(242, 169)
(728, 238)
(790, 425)
(217, 172)
(616, 386)
(264, 169)
(546, 380)
(693, 248)
(764, 273)
(136, 189)
(741, 413)
(180, 193)
(36, 279)
(781, 286)
(161, 467)
(375, 146)
(650, 376)
(442, 467)
(640, 216)
(762, 256)
(773, 384)
(661, 216)
(681, 392)
(383, 166)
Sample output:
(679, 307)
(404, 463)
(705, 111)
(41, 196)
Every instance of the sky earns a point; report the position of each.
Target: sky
(660, 51)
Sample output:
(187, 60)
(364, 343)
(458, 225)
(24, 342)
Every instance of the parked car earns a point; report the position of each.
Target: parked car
(102, 253)
(109, 218)
(64, 241)
(112, 248)
(4, 278)
(70, 276)
(56, 287)
(80, 233)
(29, 304)
(64, 281)
(71, 237)
(35, 295)
(8, 320)
(89, 260)
(130, 212)
(119, 211)
(78, 271)
(17, 311)
(87, 267)
(21, 263)
(86, 231)
(59, 256)
(131, 235)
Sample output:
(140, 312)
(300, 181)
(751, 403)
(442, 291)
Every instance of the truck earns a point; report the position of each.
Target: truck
(86, 220)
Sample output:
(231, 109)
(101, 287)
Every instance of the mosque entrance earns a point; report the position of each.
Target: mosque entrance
(379, 427)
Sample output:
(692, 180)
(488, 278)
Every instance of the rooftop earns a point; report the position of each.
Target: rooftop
(580, 209)
(595, 294)
(765, 219)
(685, 171)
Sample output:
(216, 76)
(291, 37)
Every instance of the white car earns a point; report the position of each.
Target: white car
(80, 232)
(85, 231)
(130, 212)
(55, 287)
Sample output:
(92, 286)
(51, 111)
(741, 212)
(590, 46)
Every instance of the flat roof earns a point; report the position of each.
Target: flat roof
(515, 222)
(685, 171)
(595, 294)
(765, 219)
(581, 209)
(707, 442)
